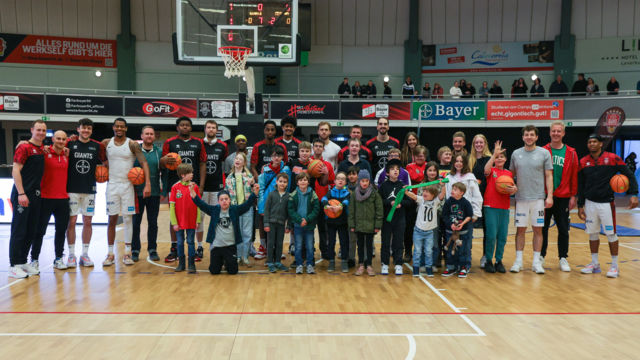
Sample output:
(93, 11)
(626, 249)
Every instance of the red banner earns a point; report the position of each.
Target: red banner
(54, 50)
(525, 110)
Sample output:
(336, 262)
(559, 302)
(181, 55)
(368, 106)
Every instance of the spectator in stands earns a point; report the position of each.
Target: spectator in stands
(408, 88)
(371, 90)
(438, 91)
(558, 87)
(463, 87)
(580, 86)
(357, 90)
(592, 88)
(426, 91)
(387, 91)
(520, 88)
(455, 91)
(537, 90)
(484, 90)
(469, 91)
(344, 90)
(612, 86)
(496, 90)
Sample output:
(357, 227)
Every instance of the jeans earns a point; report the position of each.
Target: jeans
(560, 213)
(246, 229)
(152, 204)
(422, 247)
(437, 248)
(365, 248)
(393, 241)
(462, 257)
(306, 236)
(342, 230)
(497, 224)
(191, 233)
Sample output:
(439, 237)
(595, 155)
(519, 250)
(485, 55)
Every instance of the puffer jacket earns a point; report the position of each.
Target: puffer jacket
(365, 216)
(267, 181)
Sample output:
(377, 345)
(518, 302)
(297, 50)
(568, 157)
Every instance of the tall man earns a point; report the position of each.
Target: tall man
(288, 125)
(121, 198)
(565, 187)
(152, 203)
(84, 155)
(595, 200)
(331, 149)
(532, 167)
(365, 153)
(380, 146)
(192, 151)
(28, 167)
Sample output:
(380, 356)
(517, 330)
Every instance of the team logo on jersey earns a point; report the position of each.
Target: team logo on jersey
(382, 162)
(211, 167)
(20, 209)
(186, 160)
(179, 194)
(606, 161)
(37, 192)
(83, 167)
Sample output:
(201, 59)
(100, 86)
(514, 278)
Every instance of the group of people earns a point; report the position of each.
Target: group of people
(285, 185)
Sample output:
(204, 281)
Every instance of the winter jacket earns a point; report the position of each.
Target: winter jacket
(365, 216)
(388, 192)
(473, 190)
(234, 213)
(267, 182)
(343, 196)
(276, 210)
(569, 184)
(230, 186)
(313, 209)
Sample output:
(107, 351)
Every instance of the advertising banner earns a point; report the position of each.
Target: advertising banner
(525, 110)
(399, 110)
(21, 103)
(448, 110)
(157, 107)
(84, 105)
(217, 109)
(55, 50)
(515, 56)
(608, 54)
(309, 110)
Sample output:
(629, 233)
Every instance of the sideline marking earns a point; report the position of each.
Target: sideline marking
(246, 335)
(412, 347)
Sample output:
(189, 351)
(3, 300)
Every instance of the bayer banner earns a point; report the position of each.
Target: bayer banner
(448, 110)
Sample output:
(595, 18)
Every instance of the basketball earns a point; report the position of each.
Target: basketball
(330, 212)
(136, 176)
(102, 173)
(502, 182)
(178, 161)
(314, 168)
(619, 183)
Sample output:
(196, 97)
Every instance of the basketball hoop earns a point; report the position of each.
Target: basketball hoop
(235, 59)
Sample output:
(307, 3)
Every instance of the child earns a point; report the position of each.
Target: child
(426, 227)
(275, 218)
(338, 225)
(352, 177)
(301, 163)
(184, 215)
(389, 189)
(416, 176)
(496, 209)
(303, 207)
(238, 185)
(321, 187)
(456, 214)
(223, 234)
(432, 173)
(267, 182)
(444, 158)
(365, 219)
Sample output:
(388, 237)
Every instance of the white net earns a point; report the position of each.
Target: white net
(235, 59)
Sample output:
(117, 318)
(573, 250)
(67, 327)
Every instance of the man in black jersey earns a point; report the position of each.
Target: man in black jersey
(380, 145)
(288, 125)
(192, 151)
(262, 150)
(84, 155)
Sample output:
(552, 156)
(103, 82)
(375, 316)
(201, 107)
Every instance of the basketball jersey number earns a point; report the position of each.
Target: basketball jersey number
(428, 214)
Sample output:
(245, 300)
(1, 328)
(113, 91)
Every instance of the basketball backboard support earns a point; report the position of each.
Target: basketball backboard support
(269, 28)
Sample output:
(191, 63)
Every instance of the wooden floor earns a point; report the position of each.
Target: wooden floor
(148, 311)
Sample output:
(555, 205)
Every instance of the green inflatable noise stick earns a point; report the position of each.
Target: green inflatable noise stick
(400, 196)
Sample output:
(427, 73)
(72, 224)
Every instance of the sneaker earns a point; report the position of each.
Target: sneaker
(17, 272)
(71, 261)
(153, 255)
(399, 270)
(281, 267)
(311, 269)
(613, 272)
(488, 267)
(173, 255)
(434, 269)
(384, 269)
(564, 265)
(30, 270)
(127, 260)
(463, 272)
(370, 271)
(416, 271)
(36, 265)
(537, 268)
(261, 254)
(135, 256)
(345, 266)
(448, 272)
(199, 253)
(483, 262)
(332, 266)
(360, 270)
(272, 268)
(245, 262)
(109, 260)
(86, 261)
(299, 269)
(59, 264)
(591, 268)
(541, 258)
(429, 272)
(517, 266)
(500, 267)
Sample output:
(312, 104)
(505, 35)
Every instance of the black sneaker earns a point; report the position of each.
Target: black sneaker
(135, 256)
(352, 263)
(199, 253)
(153, 255)
(500, 268)
(173, 255)
(488, 267)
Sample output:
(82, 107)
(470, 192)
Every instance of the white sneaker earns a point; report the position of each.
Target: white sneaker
(537, 268)
(384, 270)
(517, 266)
(541, 258)
(613, 272)
(109, 260)
(85, 261)
(59, 264)
(434, 269)
(564, 265)
(30, 270)
(36, 265)
(591, 268)
(72, 261)
(127, 260)
(17, 272)
(398, 270)
(483, 261)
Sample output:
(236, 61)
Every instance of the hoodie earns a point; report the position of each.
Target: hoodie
(473, 190)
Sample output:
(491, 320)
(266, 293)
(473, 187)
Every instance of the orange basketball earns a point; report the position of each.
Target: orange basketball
(502, 182)
(178, 161)
(314, 168)
(102, 173)
(136, 176)
(330, 212)
(619, 183)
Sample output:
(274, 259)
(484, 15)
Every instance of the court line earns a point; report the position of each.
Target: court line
(308, 313)
(628, 247)
(21, 280)
(244, 335)
(412, 347)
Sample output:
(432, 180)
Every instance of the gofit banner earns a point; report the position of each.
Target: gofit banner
(399, 110)
(154, 107)
(55, 50)
(525, 110)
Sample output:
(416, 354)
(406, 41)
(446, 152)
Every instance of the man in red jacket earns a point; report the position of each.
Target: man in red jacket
(565, 188)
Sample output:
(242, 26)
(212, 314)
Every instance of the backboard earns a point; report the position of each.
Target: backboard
(269, 28)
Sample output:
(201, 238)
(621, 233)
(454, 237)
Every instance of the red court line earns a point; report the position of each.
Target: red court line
(308, 313)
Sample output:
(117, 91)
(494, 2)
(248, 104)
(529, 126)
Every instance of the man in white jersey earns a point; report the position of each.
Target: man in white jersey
(121, 198)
